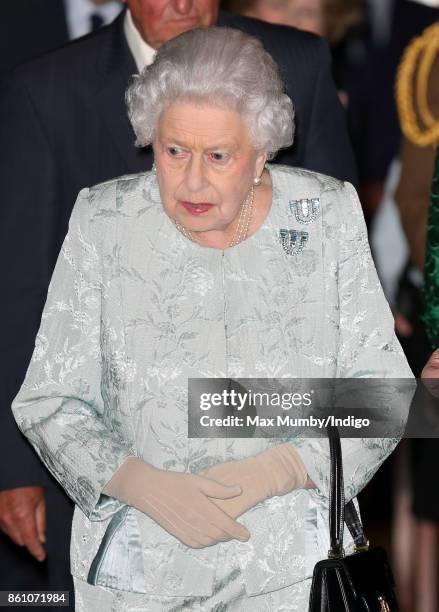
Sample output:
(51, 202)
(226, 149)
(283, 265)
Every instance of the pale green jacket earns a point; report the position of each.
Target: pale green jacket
(134, 309)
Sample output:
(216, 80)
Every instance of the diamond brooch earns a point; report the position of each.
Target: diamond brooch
(305, 210)
(292, 240)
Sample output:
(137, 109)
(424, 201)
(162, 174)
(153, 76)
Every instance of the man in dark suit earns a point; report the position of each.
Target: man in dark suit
(63, 126)
(29, 28)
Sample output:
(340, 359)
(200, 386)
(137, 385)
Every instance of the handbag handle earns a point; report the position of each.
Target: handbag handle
(339, 512)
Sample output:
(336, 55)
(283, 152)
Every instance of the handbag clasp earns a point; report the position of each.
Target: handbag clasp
(363, 547)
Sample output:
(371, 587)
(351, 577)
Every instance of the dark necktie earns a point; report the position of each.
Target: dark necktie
(96, 22)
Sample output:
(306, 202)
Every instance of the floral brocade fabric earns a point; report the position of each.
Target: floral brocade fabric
(431, 288)
(135, 309)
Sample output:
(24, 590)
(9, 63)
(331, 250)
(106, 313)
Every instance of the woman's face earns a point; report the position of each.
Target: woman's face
(205, 165)
(303, 14)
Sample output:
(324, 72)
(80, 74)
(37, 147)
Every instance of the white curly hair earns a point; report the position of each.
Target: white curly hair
(220, 66)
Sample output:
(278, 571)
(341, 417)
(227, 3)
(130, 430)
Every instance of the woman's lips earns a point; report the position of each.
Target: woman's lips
(196, 209)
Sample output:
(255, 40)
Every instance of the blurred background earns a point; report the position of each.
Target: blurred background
(368, 40)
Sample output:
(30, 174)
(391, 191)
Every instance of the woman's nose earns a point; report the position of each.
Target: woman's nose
(195, 179)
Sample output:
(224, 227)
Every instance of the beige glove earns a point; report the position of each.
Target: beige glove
(276, 471)
(179, 502)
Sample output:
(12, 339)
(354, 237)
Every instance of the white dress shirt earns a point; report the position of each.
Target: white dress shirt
(142, 52)
(79, 12)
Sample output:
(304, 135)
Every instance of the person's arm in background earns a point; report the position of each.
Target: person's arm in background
(413, 196)
(328, 148)
(27, 174)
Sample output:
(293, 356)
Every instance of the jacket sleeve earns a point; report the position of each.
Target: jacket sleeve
(328, 148)
(27, 174)
(368, 348)
(59, 406)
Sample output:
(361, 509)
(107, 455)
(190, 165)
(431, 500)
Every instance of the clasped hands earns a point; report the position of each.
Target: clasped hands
(200, 510)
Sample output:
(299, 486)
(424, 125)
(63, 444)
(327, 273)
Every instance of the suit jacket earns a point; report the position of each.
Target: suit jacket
(134, 309)
(64, 126)
(29, 28)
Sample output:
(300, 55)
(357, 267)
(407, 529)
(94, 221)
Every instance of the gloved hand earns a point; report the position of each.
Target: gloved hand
(180, 503)
(276, 471)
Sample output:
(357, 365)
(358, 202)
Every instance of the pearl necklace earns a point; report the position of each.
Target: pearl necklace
(245, 217)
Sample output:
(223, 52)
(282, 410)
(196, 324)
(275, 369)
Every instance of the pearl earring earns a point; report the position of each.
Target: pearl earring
(257, 181)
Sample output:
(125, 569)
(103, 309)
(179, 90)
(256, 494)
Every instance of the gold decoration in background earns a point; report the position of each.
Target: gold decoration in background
(417, 121)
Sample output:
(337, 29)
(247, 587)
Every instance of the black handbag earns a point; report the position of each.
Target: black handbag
(361, 582)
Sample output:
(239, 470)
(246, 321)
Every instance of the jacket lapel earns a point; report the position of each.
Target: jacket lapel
(114, 70)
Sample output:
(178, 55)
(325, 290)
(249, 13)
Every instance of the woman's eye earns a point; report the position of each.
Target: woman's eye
(174, 151)
(218, 156)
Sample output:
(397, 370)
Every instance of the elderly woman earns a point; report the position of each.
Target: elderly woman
(215, 264)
